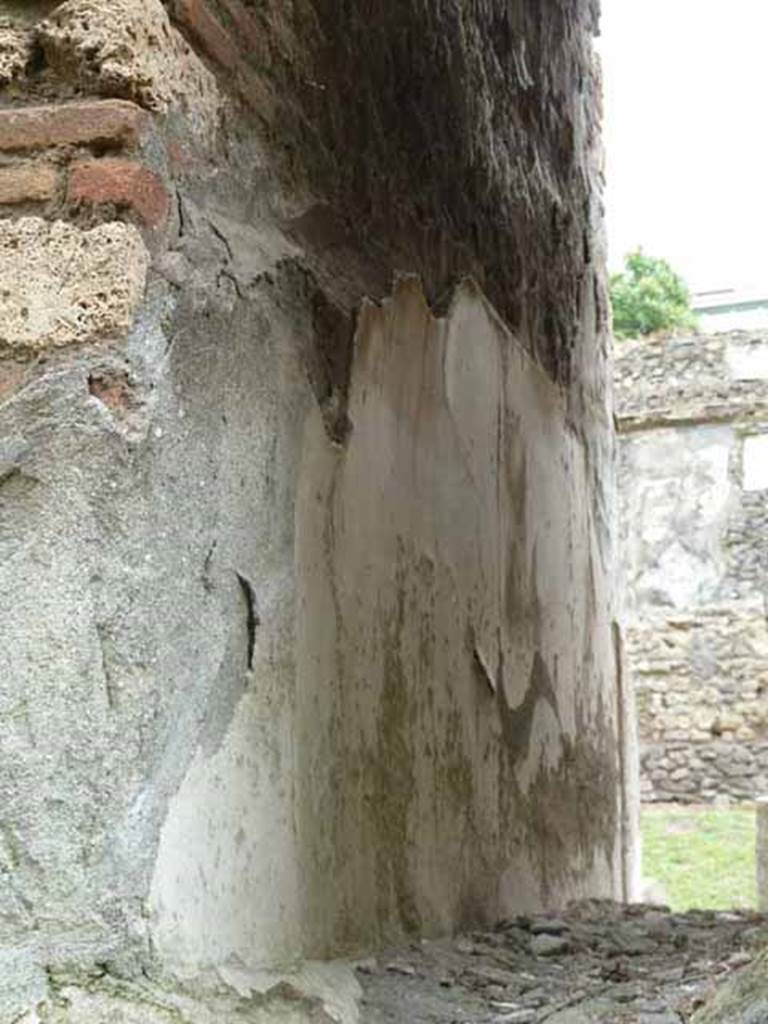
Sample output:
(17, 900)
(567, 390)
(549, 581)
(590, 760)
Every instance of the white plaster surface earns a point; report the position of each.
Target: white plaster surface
(427, 736)
(747, 361)
(675, 495)
(378, 792)
(225, 887)
(755, 469)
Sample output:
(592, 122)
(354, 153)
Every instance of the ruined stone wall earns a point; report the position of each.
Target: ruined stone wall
(306, 571)
(693, 483)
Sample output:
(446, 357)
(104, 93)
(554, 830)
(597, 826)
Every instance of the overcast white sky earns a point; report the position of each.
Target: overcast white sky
(686, 136)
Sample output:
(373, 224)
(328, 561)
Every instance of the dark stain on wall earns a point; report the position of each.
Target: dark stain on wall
(328, 348)
(442, 138)
(390, 771)
(516, 723)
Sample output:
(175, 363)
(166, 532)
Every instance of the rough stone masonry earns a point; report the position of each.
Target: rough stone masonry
(693, 416)
(306, 553)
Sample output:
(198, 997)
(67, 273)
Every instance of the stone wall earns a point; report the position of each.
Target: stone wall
(694, 482)
(306, 561)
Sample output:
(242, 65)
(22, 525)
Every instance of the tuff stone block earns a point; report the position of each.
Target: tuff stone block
(61, 285)
(129, 48)
(15, 52)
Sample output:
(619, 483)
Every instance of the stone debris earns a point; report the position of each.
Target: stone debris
(598, 963)
(549, 926)
(398, 968)
(549, 945)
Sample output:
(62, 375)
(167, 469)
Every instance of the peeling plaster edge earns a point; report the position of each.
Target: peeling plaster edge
(442, 311)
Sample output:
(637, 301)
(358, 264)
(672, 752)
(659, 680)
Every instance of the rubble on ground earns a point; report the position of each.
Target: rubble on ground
(598, 963)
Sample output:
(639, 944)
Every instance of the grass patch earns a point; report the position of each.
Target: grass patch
(703, 856)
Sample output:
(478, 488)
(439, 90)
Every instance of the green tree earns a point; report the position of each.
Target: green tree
(649, 297)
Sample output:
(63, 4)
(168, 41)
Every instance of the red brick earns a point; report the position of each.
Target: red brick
(207, 31)
(123, 183)
(257, 94)
(27, 183)
(112, 388)
(249, 31)
(110, 122)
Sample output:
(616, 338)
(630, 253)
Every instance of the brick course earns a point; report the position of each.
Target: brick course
(122, 182)
(249, 31)
(106, 122)
(207, 32)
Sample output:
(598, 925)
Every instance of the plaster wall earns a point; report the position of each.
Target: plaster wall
(307, 543)
(432, 706)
